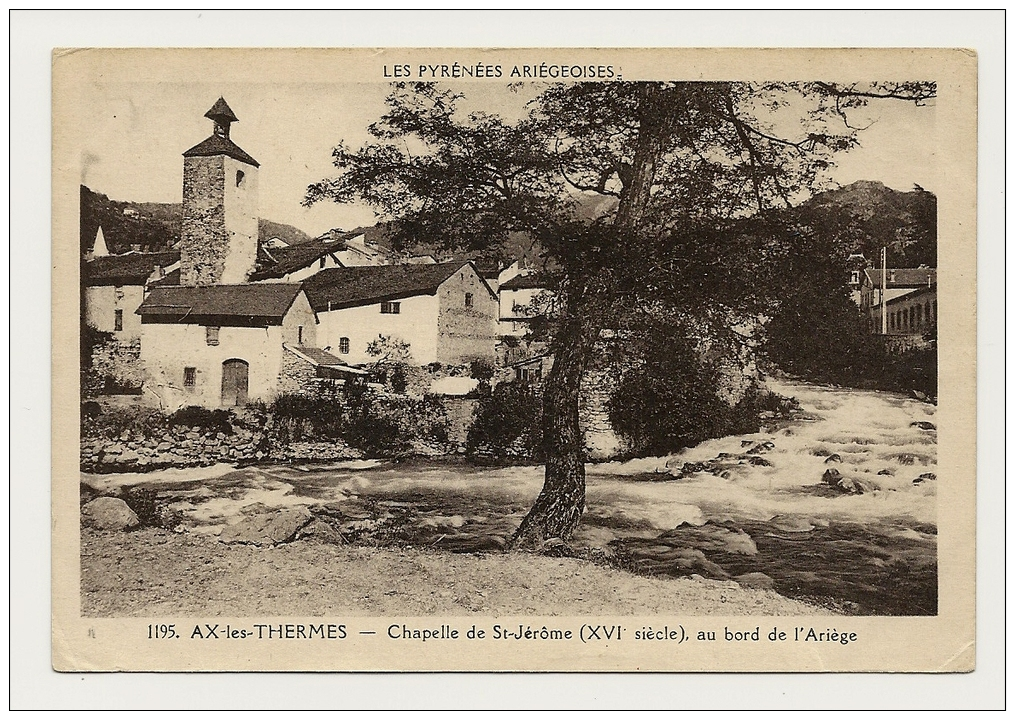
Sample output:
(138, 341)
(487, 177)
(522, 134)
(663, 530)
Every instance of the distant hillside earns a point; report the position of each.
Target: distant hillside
(866, 216)
(151, 225)
(266, 230)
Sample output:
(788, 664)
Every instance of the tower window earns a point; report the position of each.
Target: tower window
(343, 345)
(211, 335)
(299, 335)
(391, 307)
(468, 301)
(239, 178)
(189, 377)
(118, 320)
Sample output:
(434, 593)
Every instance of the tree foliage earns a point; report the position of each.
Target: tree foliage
(679, 168)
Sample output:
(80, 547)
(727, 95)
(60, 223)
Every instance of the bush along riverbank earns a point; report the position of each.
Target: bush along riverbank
(293, 428)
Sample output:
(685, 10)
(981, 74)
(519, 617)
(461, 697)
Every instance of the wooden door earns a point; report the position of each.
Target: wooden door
(234, 382)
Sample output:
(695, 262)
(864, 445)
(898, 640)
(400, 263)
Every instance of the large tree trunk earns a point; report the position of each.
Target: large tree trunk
(560, 504)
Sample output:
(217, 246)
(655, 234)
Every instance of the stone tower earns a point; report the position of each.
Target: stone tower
(218, 244)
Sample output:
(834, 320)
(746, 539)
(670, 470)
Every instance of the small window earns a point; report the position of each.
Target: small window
(239, 178)
(118, 320)
(211, 335)
(891, 320)
(322, 262)
(299, 335)
(468, 301)
(189, 377)
(391, 307)
(343, 345)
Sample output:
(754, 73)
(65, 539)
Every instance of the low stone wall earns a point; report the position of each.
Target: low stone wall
(180, 447)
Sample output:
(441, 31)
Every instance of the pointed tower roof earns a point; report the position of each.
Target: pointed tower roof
(219, 143)
(99, 248)
(221, 110)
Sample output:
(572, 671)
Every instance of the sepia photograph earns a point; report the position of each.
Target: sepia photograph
(571, 348)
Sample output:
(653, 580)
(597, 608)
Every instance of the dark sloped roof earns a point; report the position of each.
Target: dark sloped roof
(232, 304)
(904, 278)
(295, 257)
(221, 110)
(221, 146)
(319, 356)
(132, 268)
(346, 287)
(916, 293)
(527, 281)
(170, 279)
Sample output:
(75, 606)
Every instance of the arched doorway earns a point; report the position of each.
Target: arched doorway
(234, 382)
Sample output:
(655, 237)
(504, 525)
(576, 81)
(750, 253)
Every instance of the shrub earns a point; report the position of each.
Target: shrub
(203, 418)
(150, 512)
(481, 370)
(508, 423)
(670, 399)
(298, 417)
(112, 421)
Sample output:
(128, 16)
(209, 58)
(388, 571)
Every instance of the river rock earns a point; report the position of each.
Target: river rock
(923, 425)
(886, 472)
(318, 530)
(710, 537)
(267, 528)
(443, 522)
(833, 458)
(831, 477)
(689, 561)
(755, 580)
(792, 524)
(108, 514)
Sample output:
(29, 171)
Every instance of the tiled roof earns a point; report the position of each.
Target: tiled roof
(903, 278)
(132, 268)
(319, 356)
(527, 281)
(221, 146)
(222, 304)
(345, 287)
(295, 257)
(170, 279)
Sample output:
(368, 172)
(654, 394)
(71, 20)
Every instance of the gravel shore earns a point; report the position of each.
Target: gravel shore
(152, 572)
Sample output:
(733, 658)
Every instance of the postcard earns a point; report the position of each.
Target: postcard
(514, 359)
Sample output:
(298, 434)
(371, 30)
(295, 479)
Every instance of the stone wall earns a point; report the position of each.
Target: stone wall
(296, 374)
(116, 367)
(467, 331)
(204, 241)
(601, 441)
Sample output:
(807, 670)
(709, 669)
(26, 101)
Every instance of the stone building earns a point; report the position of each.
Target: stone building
(114, 286)
(446, 312)
(897, 283)
(218, 243)
(213, 339)
(221, 345)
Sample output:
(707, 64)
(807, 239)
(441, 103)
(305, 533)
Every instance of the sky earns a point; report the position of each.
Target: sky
(134, 134)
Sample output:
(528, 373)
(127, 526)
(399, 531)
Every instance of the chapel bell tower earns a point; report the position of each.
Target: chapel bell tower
(218, 244)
